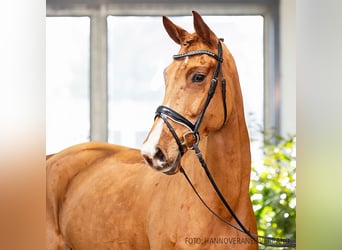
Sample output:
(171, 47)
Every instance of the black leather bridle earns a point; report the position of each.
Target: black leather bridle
(166, 113)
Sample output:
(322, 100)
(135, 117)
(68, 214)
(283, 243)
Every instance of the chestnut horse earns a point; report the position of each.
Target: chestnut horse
(104, 196)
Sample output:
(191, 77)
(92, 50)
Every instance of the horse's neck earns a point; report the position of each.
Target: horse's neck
(227, 154)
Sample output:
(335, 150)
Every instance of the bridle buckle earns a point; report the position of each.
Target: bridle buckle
(190, 139)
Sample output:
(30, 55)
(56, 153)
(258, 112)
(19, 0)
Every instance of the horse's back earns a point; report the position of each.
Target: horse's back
(93, 150)
(65, 165)
(85, 180)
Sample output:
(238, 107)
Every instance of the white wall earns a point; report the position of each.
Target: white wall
(288, 66)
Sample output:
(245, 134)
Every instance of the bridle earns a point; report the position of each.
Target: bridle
(166, 113)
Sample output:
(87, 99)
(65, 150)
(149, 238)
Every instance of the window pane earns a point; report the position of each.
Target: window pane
(67, 81)
(137, 60)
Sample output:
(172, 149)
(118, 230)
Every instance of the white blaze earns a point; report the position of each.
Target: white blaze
(186, 60)
(149, 147)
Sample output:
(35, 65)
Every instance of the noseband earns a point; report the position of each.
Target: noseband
(166, 113)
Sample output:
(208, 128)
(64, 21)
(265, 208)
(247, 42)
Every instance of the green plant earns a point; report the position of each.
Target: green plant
(273, 187)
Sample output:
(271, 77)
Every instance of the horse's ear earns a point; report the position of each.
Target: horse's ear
(177, 33)
(203, 31)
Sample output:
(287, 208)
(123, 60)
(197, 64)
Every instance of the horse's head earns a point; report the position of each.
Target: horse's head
(196, 99)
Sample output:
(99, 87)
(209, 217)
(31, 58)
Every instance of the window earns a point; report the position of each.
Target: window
(67, 81)
(109, 65)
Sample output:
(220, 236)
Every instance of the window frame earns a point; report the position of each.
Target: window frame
(99, 10)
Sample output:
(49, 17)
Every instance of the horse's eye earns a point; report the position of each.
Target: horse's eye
(198, 77)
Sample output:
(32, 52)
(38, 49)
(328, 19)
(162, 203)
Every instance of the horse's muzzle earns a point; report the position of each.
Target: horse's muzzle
(157, 160)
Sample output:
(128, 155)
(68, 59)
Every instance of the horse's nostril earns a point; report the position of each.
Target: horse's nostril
(156, 160)
(160, 155)
(148, 160)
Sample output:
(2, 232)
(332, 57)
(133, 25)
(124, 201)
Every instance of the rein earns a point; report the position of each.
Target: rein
(166, 113)
(266, 241)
